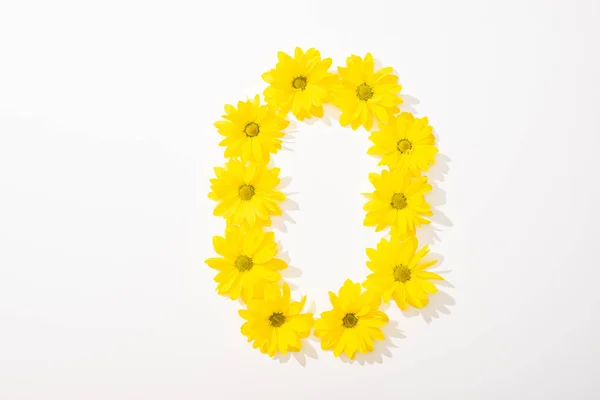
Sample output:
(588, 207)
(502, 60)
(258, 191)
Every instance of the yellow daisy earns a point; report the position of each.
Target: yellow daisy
(252, 131)
(364, 93)
(246, 193)
(353, 323)
(247, 263)
(399, 273)
(276, 323)
(300, 84)
(405, 142)
(398, 201)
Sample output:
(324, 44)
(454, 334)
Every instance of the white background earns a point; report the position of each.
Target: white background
(107, 148)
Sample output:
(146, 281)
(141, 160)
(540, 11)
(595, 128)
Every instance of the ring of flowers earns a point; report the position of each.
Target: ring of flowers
(246, 192)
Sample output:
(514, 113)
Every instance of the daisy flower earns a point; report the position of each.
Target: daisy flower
(247, 261)
(300, 84)
(246, 193)
(398, 201)
(364, 93)
(252, 131)
(399, 273)
(276, 323)
(405, 142)
(353, 323)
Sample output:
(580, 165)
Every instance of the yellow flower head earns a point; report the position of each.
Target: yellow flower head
(247, 262)
(354, 322)
(398, 201)
(301, 84)
(246, 193)
(275, 323)
(405, 142)
(252, 131)
(364, 93)
(399, 273)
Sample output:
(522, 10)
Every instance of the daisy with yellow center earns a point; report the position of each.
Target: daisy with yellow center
(246, 193)
(275, 323)
(247, 262)
(364, 93)
(398, 202)
(300, 84)
(354, 322)
(399, 273)
(405, 143)
(252, 131)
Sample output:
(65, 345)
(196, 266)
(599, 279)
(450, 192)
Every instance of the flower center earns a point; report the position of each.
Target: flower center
(277, 319)
(299, 83)
(244, 263)
(252, 129)
(404, 145)
(399, 201)
(350, 320)
(401, 273)
(364, 92)
(246, 192)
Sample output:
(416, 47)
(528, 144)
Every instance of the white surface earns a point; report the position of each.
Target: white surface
(107, 146)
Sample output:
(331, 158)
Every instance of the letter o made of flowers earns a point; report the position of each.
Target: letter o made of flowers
(246, 193)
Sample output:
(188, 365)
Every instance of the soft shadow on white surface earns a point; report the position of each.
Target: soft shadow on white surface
(382, 348)
(284, 182)
(280, 222)
(308, 350)
(290, 136)
(427, 234)
(439, 170)
(439, 304)
(289, 272)
(289, 141)
(408, 103)
(436, 198)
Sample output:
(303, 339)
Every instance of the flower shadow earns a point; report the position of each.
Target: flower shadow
(439, 304)
(290, 135)
(286, 142)
(427, 234)
(438, 171)
(382, 347)
(280, 222)
(284, 182)
(436, 198)
(307, 351)
(290, 272)
(408, 103)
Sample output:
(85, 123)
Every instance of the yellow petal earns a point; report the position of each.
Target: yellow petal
(218, 263)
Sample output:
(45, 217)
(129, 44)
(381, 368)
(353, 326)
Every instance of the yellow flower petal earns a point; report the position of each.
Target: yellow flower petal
(275, 330)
